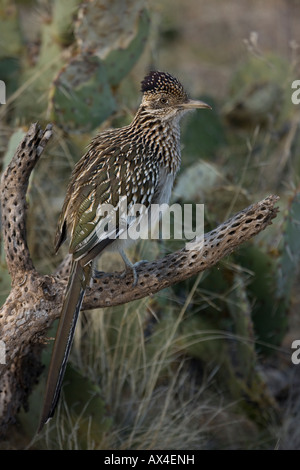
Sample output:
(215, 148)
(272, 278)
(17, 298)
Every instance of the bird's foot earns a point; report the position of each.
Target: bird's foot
(132, 268)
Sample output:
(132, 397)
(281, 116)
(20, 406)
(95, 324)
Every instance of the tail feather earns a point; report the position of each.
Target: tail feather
(78, 280)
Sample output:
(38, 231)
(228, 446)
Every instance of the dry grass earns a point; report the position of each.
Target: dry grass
(156, 395)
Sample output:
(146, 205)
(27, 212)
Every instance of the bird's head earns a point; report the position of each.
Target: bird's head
(165, 97)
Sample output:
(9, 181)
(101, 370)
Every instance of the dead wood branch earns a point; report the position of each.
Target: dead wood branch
(35, 300)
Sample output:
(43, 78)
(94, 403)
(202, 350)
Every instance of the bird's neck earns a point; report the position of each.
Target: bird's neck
(161, 137)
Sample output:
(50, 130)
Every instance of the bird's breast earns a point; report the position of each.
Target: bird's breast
(164, 187)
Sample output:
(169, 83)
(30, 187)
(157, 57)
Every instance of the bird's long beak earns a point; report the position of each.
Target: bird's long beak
(193, 104)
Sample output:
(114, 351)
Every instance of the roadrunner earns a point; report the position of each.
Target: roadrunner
(139, 162)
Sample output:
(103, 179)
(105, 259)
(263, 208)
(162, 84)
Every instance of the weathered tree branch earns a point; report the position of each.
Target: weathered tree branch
(35, 300)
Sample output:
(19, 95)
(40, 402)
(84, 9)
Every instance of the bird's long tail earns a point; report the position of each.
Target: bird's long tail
(78, 280)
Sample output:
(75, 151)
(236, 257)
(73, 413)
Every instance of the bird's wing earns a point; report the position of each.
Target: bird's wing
(105, 188)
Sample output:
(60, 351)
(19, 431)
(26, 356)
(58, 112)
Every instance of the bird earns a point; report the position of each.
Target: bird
(138, 162)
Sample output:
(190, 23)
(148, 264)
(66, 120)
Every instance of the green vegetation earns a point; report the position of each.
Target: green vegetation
(188, 368)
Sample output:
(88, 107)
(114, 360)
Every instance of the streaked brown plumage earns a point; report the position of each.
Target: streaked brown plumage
(139, 162)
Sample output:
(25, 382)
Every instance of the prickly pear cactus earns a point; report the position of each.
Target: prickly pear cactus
(110, 38)
(104, 26)
(259, 91)
(81, 96)
(77, 54)
(120, 61)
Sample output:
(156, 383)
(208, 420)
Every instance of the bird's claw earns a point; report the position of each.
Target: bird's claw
(98, 274)
(133, 270)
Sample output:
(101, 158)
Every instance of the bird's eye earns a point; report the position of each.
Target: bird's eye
(163, 100)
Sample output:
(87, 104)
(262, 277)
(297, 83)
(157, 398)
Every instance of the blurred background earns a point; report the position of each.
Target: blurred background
(206, 364)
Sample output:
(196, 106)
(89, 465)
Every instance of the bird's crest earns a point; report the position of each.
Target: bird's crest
(162, 82)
